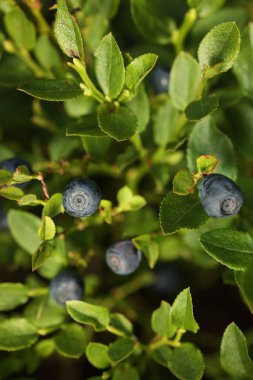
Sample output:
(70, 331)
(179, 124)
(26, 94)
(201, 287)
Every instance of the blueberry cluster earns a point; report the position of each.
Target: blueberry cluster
(123, 257)
(11, 165)
(66, 286)
(81, 198)
(220, 196)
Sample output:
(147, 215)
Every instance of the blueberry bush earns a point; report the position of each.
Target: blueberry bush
(126, 190)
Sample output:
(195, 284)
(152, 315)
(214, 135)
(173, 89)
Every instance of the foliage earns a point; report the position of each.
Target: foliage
(78, 101)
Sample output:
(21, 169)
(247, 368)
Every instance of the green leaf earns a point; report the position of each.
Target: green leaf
(140, 107)
(71, 341)
(55, 90)
(120, 123)
(109, 66)
(5, 177)
(206, 163)
(138, 69)
(125, 373)
(177, 212)
(183, 182)
(45, 348)
(207, 139)
(240, 282)
(185, 80)
(96, 147)
(85, 126)
(219, 48)
(11, 192)
(182, 312)
(22, 174)
(199, 109)
(153, 19)
(161, 321)
(149, 247)
(24, 229)
(47, 229)
(29, 200)
(53, 206)
(243, 65)
(187, 362)
(97, 355)
(234, 357)
(162, 355)
(42, 253)
(247, 276)
(46, 53)
(231, 248)
(67, 32)
(51, 316)
(17, 334)
(83, 312)
(120, 349)
(128, 201)
(121, 324)
(12, 295)
(105, 210)
(20, 29)
(165, 122)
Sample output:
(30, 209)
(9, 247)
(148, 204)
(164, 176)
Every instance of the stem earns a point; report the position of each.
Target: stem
(181, 123)
(167, 342)
(131, 287)
(41, 22)
(80, 68)
(31, 64)
(43, 184)
(137, 143)
(179, 35)
(37, 292)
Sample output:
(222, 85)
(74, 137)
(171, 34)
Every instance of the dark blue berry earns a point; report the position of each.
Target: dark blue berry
(168, 279)
(81, 198)
(66, 286)
(123, 257)
(11, 165)
(220, 196)
(160, 80)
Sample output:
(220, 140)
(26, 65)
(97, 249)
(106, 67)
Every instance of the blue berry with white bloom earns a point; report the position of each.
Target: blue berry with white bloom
(66, 286)
(123, 257)
(81, 198)
(160, 80)
(220, 196)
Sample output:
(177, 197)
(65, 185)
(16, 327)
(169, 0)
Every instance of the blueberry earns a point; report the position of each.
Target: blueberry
(81, 198)
(123, 257)
(168, 279)
(220, 196)
(66, 286)
(160, 80)
(11, 165)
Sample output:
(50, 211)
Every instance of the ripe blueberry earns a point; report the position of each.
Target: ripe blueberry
(11, 165)
(160, 80)
(66, 286)
(220, 196)
(81, 198)
(168, 279)
(123, 257)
